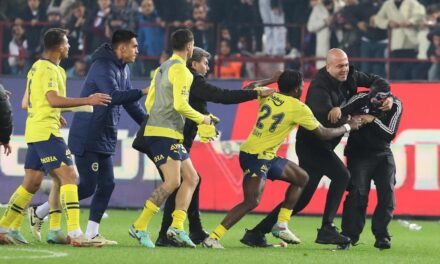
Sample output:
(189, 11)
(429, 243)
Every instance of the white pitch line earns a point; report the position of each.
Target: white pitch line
(50, 254)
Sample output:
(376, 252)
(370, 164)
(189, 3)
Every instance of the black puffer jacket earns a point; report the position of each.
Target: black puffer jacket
(5, 117)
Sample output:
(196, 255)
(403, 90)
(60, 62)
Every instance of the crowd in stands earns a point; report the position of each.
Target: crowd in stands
(233, 32)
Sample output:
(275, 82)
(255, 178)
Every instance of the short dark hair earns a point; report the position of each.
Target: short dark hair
(180, 38)
(122, 36)
(54, 37)
(198, 55)
(289, 80)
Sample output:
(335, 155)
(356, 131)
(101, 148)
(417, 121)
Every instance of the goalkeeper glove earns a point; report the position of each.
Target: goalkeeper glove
(206, 132)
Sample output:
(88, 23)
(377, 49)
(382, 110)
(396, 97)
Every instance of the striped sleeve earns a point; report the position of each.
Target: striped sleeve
(388, 128)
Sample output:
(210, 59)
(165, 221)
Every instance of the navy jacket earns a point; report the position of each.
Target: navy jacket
(97, 131)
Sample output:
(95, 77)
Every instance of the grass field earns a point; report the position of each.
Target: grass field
(407, 246)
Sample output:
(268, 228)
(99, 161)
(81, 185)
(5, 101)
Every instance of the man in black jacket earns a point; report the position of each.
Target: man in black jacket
(200, 93)
(5, 120)
(369, 157)
(332, 86)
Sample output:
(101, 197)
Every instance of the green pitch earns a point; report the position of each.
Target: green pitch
(407, 246)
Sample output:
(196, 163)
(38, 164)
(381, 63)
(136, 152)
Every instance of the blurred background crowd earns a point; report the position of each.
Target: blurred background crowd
(397, 39)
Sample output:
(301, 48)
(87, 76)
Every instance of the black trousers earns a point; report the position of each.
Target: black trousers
(317, 162)
(364, 168)
(195, 224)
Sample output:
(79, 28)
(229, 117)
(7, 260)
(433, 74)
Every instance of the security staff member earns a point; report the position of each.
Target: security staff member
(369, 157)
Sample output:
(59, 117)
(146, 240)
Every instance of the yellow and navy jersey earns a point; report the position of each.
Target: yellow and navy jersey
(43, 120)
(278, 114)
(167, 100)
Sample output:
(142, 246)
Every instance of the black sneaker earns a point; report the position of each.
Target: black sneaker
(163, 241)
(347, 246)
(330, 235)
(199, 236)
(254, 239)
(383, 243)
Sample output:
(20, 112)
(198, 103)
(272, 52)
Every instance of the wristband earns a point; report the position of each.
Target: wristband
(347, 127)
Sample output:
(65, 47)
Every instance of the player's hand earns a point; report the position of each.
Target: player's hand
(264, 91)
(145, 90)
(7, 147)
(387, 104)
(207, 120)
(99, 99)
(355, 123)
(334, 115)
(63, 121)
(365, 119)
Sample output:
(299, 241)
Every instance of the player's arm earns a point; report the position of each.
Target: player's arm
(177, 75)
(105, 80)
(57, 101)
(25, 100)
(306, 119)
(263, 82)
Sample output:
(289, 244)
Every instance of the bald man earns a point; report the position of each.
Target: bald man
(332, 86)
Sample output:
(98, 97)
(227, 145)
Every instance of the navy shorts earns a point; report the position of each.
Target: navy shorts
(252, 166)
(48, 155)
(162, 149)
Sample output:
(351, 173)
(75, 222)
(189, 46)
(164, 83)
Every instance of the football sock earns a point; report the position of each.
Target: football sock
(55, 219)
(70, 204)
(43, 210)
(179, 217)
(18, 201)
(150, 209)
(92, 229)
(284, 215)
(218, 232)
(16, 224)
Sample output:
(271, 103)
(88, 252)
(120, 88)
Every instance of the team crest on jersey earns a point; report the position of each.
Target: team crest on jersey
(95, 166)
(264, 168)
(51, 83)
(68, 154)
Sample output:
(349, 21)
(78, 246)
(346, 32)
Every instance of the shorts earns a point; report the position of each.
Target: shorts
(48, 155)
(161, 149)
(252, 166)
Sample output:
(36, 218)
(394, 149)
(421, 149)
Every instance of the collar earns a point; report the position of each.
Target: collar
(177, 57)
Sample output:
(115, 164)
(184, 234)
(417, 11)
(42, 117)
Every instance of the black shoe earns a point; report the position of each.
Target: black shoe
(254, 239)
(329, 235)
(199, 236)
(163, 241)
(347, 246)
(383, 243)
